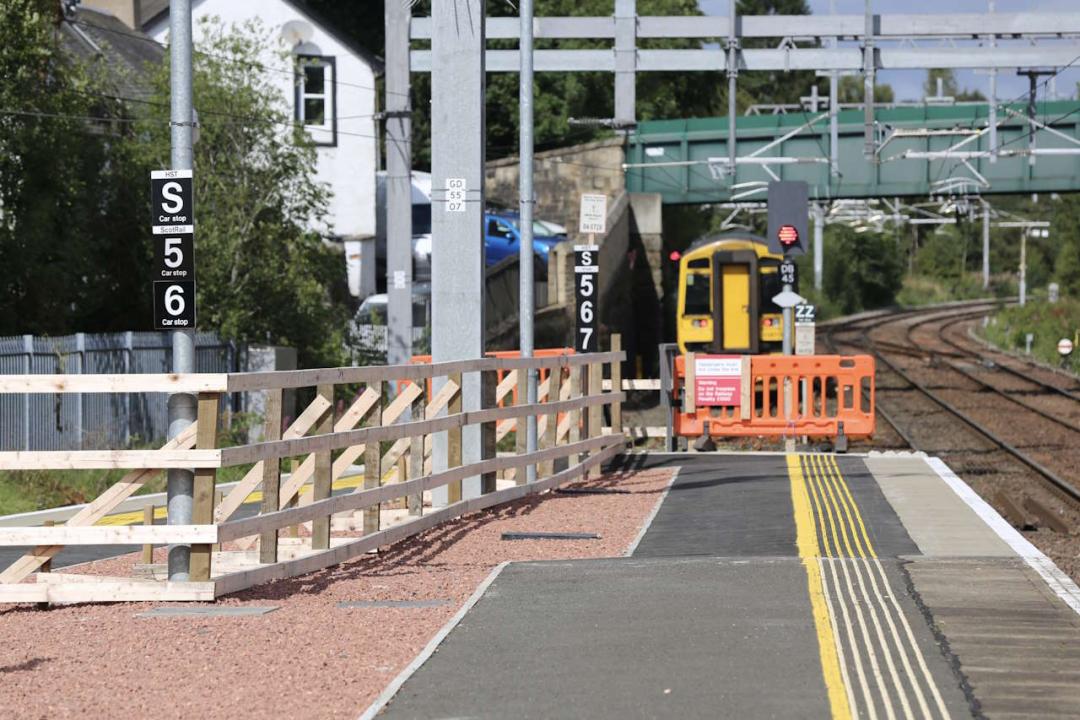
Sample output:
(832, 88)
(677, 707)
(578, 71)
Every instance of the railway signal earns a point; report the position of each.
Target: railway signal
(789, 212)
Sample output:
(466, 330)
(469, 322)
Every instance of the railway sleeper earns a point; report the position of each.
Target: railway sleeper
(1047, 517)
(1015, 514)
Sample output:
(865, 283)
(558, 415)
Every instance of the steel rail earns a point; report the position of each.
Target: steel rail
(1058, 483)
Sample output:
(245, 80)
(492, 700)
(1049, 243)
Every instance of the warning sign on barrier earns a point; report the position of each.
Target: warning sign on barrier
(717, 380)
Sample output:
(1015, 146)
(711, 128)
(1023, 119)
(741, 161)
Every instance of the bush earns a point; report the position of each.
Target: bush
(1047, 322)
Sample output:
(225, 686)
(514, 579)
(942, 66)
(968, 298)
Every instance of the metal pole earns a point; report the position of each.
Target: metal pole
(870, 145)
(993, 108)
(625, 59)
(180, 487)
(732, 74)
(525, 258)
(834, 109)
(986, 246)
(1023, 266)
(819, 245)
(399, 277)
(789, 326)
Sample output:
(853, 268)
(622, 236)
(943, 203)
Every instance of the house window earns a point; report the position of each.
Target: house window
(316, 97)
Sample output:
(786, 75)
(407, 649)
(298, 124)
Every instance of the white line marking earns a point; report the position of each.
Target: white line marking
(652, 515)
(839, 643)
(387, 695)
(1059, 582)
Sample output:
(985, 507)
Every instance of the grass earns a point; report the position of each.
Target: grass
(30, 490)
(920, 290)
(1047, 322)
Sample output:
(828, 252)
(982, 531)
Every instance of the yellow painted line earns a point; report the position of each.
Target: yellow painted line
(807, 541)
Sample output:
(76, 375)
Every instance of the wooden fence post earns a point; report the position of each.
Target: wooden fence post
(488, 381)
(576, 416)
(616, 385)
(416, 450)
(271, 477)
(373, 463)
(323, 474)
(148, 549)
(520, 437)
(596, 412)
(202, 511)
(453, 443)
(551, 430)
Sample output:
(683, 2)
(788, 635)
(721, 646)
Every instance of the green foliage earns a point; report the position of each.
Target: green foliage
(949, 86)
(1047, 322)
(264, 276)
(68, 221)
(865, 272)
(850, 90)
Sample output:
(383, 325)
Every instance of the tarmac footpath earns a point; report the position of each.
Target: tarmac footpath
(772, 586)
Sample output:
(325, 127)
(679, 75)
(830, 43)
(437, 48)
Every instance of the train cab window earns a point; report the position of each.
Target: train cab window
(698, 294)
(699, 263)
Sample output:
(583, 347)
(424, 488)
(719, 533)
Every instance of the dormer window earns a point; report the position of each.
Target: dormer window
(316, 97)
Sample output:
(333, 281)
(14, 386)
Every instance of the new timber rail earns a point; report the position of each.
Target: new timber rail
(323, 446)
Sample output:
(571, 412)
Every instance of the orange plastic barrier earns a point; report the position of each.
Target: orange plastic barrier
(508, 399)
(832, 395)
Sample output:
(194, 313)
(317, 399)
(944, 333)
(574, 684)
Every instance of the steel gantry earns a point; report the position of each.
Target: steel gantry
(458, 58)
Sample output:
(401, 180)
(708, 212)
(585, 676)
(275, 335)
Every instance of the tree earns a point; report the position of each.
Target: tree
(264, 274)
(866, 271)
(949, 86)
(67, 223)
(851, 90)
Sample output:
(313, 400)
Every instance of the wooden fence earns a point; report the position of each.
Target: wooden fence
(393, 439)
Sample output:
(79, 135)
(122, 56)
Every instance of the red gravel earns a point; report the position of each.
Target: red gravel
(309, 658)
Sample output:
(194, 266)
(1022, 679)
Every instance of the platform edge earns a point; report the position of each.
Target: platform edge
(1061, 584)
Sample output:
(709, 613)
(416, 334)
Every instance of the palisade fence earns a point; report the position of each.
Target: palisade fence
(98, 420)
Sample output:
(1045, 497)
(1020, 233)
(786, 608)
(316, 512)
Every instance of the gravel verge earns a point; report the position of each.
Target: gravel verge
(309, 658)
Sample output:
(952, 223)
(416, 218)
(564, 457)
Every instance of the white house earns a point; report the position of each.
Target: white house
(330, 87)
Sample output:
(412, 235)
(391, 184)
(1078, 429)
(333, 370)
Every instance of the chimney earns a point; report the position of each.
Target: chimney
(128, 11)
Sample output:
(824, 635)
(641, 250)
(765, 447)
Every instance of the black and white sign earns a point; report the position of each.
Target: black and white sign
(172, 197)
(805, 314)
(174, 252)
(587, 290)
(787, 273)
(173, 220)
(174, 304)
(455, 194)
(592, 219)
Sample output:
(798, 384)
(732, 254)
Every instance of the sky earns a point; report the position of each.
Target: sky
(908, 84)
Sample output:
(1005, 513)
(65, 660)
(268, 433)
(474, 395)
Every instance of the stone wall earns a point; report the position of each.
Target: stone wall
(561, 176)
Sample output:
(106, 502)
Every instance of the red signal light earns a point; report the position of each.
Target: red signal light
(674, 256)
(788, 235)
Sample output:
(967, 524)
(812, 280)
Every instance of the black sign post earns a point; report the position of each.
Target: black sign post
(173, 221)
(586, 290)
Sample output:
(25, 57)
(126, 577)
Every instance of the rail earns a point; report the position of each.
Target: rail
(393, 437)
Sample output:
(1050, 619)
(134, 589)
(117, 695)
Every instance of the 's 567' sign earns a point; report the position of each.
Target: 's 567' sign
(587, 290)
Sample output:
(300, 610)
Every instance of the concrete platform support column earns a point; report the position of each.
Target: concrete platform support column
(457, 162)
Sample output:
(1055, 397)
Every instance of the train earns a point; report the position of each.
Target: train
(727, 283)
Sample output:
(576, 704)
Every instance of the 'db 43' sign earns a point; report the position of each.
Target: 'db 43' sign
(173, 221)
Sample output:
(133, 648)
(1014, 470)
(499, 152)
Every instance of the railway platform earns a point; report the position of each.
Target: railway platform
(772, 585)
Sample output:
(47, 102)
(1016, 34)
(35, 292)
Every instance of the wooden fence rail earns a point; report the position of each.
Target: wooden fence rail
(393, 439)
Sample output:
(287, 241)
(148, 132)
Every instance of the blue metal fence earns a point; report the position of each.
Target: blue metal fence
(92, 421)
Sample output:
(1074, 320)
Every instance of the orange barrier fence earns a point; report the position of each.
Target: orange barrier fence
(512, 397)
(830, 396)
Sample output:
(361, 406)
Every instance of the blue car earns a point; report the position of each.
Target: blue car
(502, 237)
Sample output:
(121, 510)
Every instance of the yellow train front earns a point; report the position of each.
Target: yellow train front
(726, 286)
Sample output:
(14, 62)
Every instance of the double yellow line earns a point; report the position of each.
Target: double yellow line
(806, 538)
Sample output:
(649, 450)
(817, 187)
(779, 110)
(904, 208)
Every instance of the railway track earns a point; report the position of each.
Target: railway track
(1009, 428)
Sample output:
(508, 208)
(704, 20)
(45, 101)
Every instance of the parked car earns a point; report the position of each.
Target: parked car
(502, 236)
